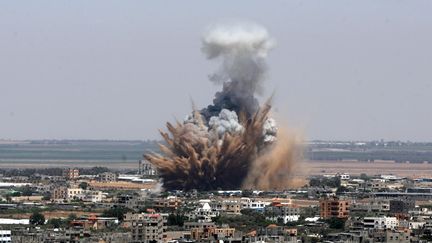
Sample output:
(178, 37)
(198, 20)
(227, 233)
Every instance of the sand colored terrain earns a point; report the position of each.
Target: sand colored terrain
(412, 170)
(48, 214)
(121, 185)
(301, 170)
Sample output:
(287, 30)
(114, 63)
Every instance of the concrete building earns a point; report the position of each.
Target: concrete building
(90, 196)
(73, 192)
(148, 227)
(212, 234)
(170, 203)
(71, 173)
(398, 236)
(94, 222)
(204, 213)
(146, 168)
(253, 204)
(380, 222)
(59, 193)
(274, 233)
(226, 206)
(107, 177)
(401, 206)
(282, 212)
(200, 225)
(334, 207)
(375, 205)
(5, 236)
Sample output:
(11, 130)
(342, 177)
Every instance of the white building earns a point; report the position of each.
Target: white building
(5, 236)
(71, 193)
(344, 176)
(7, 221)
(411, 224)
(252, 204)
(380, 222)
(204, 213)
(90, 196)
(283, 212)
(84, 195)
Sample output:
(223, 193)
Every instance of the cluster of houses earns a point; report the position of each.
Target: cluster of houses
(110, 207)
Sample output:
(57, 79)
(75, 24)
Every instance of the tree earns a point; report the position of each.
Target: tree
(71, 218)
(46, 196)
(247, 193)
(56, 222)
(364, 177)
(335, 223)
(176, 219)
(37, 219)
(83, 185)
(315, 182)
(341, 190)
(117, 212)
(26, 190)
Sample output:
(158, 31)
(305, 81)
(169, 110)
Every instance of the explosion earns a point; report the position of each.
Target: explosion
(232, 143)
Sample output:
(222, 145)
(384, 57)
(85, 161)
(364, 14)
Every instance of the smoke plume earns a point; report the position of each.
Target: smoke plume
(242, 50)
(232, 143)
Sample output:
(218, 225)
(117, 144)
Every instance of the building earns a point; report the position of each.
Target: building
(27, 199)
(148, 227)
(226, 206)
(146, 168)
(71, 173)
(5, 236)
(253, 204)
(170, 203)
(212, 233)
(72, 193)
(401, 206)
(59, 193)
(398, 236)
(274, 233)
(200, 225)
(344, 176)
(375, 205)
(334, 207)
(204, 213)
(380, 222)
(89, 196)
(107, 177)
(94, 222)
(282, 212)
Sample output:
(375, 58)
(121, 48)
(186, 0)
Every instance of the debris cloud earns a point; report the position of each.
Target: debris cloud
(233, 143)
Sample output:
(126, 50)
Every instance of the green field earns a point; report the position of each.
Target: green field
(69, 150)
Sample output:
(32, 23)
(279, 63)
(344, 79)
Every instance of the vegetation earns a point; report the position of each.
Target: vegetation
(83, 185)
(324, 181)
(94, 170)
(248, 220)
(37, 219)
(57, 222)
(176, 219)
(335, 223)
(117, 212)
(341, 190)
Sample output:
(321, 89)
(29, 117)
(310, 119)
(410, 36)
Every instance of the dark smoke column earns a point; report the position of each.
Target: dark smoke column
(222, 146)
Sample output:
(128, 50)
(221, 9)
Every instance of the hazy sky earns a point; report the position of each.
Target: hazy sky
(121, 69)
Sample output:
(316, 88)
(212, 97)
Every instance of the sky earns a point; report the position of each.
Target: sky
(341, 70)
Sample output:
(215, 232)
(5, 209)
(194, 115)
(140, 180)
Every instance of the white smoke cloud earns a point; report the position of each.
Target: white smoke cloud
(270, 130)
(227, 121)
